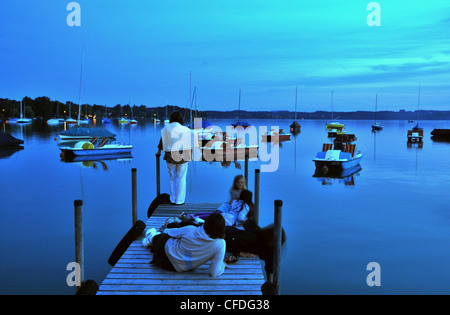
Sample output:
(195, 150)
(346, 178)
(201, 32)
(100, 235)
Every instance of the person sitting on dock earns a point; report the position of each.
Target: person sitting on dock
(251, 242)
(172, 136)
(239, 184)
(186, 248)
(235, 212)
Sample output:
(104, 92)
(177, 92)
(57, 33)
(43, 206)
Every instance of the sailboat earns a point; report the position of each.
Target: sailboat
(132, 121)
(22, 119)
(295, 126)
(105, 119)
(122, 120)
(334, 128)
(54, 121)
(415, 135)
(240, 123)
(82, 132)
(85, 120)
(376, 126)
(70, 120)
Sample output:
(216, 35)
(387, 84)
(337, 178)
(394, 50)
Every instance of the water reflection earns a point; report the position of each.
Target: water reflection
(100, 161)
(329, 176)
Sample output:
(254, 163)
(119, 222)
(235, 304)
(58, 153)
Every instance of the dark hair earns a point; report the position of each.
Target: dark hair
(246, 196)
(176, 117)
(214, 225)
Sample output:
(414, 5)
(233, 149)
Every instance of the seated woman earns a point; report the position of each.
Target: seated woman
(188, 247)
(237, 211)
(252, 241)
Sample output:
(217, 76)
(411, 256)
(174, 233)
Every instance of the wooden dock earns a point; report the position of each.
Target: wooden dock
(134, 275)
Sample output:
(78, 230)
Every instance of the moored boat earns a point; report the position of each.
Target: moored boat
(342, 156)
(440, 133)
(415, 135)
(276, 136)
(80, 133)
(95, 147)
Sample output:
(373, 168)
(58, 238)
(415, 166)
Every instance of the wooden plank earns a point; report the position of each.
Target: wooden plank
(133, 274)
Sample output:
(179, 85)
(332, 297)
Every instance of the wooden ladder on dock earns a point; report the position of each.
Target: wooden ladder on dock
(134, 275)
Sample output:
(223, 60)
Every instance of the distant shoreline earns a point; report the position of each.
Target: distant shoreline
(46, 108)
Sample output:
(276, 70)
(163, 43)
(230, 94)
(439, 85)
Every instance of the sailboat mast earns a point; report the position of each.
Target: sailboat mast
(79, 95)
(376, 107)
(190, 97)
(418, 104)
(295, 103)
(239, 111)
(332, 116)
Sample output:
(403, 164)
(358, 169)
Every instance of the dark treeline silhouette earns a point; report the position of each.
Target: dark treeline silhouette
(43, 107)
(46, 108)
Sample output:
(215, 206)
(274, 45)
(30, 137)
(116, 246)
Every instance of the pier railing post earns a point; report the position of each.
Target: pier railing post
(79, 248)
(158, 174)
(256, 210)
(134, 195)
(246, 168)
(277, 246)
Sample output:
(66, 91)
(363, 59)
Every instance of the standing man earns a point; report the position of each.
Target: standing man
(176, 144)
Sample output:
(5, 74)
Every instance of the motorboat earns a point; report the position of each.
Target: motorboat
(272, 136)
(440, 134)
(95, 146)
(415, 135)
(342, 155)
(335, 129)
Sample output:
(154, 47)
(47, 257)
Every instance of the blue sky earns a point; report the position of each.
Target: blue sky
(143, 51)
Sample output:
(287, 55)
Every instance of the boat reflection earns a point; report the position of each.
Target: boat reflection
(328, 176)
(417, 145)
(6, 152)
(99, 160)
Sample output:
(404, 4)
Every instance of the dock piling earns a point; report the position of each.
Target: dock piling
(256, 210)
(246, 168)
(158, 174)
(79, 248)
(277, 246)
(134, 195)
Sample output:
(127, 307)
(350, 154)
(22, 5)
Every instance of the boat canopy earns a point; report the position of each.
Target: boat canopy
(91, 132)
(241, 124)
(6, 140)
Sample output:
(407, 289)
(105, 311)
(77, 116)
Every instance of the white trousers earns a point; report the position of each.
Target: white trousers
(177, 181)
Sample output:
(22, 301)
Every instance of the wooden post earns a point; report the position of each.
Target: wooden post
(133, 196)
(158, 174)
(79, 249)
(277, 246)
(256, 210)
(246, 168)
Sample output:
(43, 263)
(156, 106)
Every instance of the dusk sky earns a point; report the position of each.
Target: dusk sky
(142, 52)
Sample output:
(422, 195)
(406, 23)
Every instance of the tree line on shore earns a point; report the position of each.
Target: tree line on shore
(43, 107)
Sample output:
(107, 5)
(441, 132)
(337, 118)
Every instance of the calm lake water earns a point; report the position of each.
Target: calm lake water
(395, 211)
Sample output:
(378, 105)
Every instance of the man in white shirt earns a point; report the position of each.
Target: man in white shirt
(176, 144)
(188, 247)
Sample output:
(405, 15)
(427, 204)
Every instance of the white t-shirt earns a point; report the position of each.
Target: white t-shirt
(190, 247)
